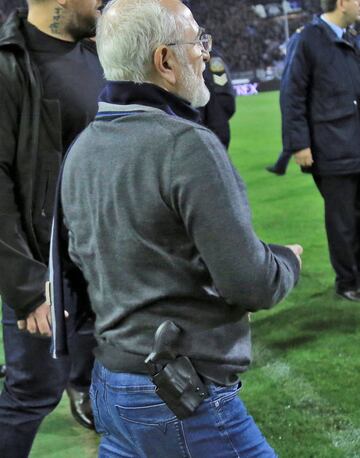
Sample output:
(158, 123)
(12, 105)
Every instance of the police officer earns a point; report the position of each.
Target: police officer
(221, 107)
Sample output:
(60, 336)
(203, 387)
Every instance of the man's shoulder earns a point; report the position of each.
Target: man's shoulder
(174, 125)
(314, 32)
(188, 128)
(310, 39)
(144, 122)
(10, 67)
(183, 133)
(308, 32)
(156, 121)
(195, 139)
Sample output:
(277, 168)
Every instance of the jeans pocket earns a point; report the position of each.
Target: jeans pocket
(145, 409)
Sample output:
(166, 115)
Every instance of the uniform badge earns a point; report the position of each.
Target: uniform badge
(217, 65)
(221, 80)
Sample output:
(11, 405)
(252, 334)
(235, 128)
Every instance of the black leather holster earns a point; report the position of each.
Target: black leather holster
(176, 380)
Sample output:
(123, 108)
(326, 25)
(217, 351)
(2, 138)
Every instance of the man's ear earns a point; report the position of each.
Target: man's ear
(164, 64)
(340, 5)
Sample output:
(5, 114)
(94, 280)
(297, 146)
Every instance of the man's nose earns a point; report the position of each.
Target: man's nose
(205, 55)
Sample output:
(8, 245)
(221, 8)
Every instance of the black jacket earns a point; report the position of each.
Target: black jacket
(31, 152)
(320, 96)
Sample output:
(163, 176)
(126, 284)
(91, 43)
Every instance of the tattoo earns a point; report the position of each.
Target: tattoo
(55, 25)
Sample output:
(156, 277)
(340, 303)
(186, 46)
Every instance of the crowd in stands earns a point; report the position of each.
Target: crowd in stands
(248, 40)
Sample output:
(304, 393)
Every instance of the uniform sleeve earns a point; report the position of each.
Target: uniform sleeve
(21, 276)
(294, 92)
(210, 198)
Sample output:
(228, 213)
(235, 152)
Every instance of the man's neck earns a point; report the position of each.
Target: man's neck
(50, 20)
(336, 18)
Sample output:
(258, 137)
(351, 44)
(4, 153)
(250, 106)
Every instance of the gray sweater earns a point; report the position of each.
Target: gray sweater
(160, 225)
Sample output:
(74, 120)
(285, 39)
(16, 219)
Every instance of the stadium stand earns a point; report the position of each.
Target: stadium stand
(252, 35)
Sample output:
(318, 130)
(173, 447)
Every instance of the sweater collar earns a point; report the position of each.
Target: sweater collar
(130, 93)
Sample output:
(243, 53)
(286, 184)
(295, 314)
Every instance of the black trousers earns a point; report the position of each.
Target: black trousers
(341, 194)
(35, 382)
(282, 162)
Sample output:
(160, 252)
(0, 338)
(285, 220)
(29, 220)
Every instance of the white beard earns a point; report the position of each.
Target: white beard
(193, 88)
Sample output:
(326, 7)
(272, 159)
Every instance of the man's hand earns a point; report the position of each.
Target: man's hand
(304, 157)
(38, 321)
(297, 250)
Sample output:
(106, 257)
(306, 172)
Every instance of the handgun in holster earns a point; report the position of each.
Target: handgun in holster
(176, 380)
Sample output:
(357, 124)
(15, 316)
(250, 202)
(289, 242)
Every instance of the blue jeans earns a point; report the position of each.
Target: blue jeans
(35, 382)
(136, 423)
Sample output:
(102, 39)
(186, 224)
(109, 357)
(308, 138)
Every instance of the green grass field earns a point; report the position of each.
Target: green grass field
(304, 385)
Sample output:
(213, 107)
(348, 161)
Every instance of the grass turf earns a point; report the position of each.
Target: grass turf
(302, 388)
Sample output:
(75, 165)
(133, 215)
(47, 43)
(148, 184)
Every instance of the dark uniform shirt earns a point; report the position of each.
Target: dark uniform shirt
(221, 107)
(70, 73)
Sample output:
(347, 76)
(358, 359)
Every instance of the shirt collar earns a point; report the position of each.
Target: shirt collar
(38, 41)
(339, 32)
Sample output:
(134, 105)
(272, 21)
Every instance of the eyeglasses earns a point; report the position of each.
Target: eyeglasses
(204, 40)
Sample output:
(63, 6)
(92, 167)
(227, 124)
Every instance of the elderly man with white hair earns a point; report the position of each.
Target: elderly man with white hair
(159, 224)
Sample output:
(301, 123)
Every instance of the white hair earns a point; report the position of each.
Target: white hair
(127, 35)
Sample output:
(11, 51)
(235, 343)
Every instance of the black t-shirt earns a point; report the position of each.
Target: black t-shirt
(70, 73)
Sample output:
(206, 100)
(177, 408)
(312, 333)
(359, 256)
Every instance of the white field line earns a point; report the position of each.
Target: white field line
(303, 395)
